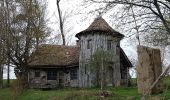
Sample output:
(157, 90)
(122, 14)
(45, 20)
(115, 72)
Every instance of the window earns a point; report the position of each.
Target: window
(89, 44)
(85, 69)
(51, 75)
(37, 73)
(109, 44)
(73, 74)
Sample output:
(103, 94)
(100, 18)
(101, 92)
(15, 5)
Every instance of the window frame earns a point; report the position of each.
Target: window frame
(37, 74)
(89, 43)
(51, 75)
(109, 44)
(74, 74)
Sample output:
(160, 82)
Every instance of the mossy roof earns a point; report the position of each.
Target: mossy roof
(48, 55)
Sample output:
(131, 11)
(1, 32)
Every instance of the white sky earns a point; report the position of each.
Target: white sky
(78, 22)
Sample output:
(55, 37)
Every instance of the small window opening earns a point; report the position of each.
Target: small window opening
(89, 44)
(109, 44)
(37, 73)
(51, 75)
(73, 74)
(85, 68)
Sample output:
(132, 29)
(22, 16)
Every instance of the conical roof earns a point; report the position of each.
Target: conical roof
(100, 25)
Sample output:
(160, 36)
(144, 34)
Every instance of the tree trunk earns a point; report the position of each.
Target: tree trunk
(61, 22)
(1, 76)
(8, 74)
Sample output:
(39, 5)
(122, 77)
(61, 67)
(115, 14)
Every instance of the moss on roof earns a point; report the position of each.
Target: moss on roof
(55, 55)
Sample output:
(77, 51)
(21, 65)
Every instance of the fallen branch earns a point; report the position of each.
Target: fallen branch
(158, 79)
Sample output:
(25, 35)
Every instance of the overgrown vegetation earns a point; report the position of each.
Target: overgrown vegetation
(72, 94)
(129, 93)
(119, 93)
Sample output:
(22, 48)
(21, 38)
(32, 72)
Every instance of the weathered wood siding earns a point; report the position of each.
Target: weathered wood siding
(124, 74)
(98, 41)
(42, 82)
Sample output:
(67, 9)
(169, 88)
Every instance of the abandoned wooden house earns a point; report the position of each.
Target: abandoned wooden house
(61, 66)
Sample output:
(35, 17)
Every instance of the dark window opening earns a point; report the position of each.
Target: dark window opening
(109, 44)
(89, 44)
(73, 74)
(85, 69)
(37, 73)
(51, 75)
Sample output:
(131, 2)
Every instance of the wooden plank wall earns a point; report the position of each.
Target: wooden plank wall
(98, 41)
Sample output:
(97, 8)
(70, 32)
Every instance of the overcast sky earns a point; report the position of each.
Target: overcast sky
(79, 20)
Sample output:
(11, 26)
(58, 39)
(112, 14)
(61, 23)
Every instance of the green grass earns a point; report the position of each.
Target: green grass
(166, 80)
(5, 94)
(128, 93)
(70, 94)
(5, 81)
(119, 93)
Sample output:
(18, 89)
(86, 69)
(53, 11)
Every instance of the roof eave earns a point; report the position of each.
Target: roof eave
(114, 34)
(53, 66)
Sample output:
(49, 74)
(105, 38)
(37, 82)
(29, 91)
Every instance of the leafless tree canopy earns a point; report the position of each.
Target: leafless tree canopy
(24, 28)
(150, 15)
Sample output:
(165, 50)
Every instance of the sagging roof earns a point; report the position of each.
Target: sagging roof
(57, 56)
(54, 55)
(99, 24)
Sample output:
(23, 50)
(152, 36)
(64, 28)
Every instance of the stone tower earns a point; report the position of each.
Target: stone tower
(99, 35)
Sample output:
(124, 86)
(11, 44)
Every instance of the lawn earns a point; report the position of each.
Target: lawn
(71, 94)
(120, 93)
(128, 93)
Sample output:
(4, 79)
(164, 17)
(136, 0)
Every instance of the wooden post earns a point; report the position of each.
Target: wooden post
(148, 70)
(8, 73)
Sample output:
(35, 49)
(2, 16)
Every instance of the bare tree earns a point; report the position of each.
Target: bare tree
(61, 21)
(149, 15)
(64, 19)
(24, 29)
